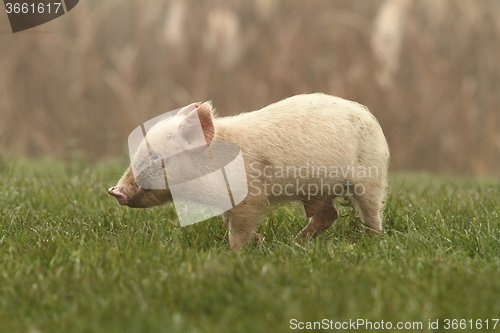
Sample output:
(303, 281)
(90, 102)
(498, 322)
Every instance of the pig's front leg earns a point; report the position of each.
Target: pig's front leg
(242, 221)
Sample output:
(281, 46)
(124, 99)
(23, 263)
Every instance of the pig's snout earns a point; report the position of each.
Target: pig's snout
(119, 195)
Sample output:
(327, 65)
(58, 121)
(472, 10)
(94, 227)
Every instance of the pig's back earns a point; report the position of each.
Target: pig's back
(312, 128)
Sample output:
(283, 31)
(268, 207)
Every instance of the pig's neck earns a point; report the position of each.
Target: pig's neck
(224, 132)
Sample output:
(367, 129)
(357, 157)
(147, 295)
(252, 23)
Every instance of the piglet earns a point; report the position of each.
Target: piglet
(310, 148)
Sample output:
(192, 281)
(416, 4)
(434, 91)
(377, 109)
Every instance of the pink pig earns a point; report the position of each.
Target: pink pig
(310, 148)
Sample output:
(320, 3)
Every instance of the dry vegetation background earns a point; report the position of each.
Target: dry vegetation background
(429, 70)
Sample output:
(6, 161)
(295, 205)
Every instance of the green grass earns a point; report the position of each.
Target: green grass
(72, 260)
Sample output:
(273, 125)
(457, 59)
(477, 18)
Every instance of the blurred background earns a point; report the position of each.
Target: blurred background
(429, 71)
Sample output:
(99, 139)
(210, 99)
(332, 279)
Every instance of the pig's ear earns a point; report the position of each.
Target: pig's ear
(190, 126)
(187, 109)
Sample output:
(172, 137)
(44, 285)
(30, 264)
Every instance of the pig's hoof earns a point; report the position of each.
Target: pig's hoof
(371, 232)
(259, 239)
(305, 236)
(299, 239)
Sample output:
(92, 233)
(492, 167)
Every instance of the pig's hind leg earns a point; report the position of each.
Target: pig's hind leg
(369, 207)
(322, 213)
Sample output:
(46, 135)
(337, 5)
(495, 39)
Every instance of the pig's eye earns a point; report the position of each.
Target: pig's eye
(155, 157)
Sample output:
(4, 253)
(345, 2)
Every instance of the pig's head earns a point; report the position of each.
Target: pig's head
(144, 183)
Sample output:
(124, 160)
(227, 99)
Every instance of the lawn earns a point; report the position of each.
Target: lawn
(73, 260)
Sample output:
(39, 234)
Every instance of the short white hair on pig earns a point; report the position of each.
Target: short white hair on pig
(310, 148)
